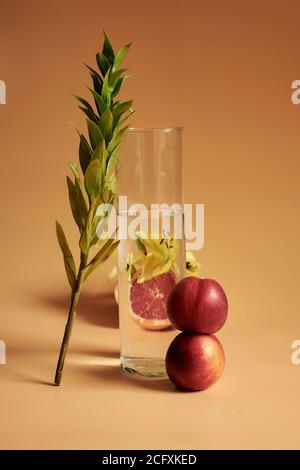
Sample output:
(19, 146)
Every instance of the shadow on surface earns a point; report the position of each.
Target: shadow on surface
(114, 376)
(97, 309)
(92, 375)
(100, 353)
(78, 361)
(36, 381)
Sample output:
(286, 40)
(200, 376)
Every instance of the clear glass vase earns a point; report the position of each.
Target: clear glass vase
(151, 253)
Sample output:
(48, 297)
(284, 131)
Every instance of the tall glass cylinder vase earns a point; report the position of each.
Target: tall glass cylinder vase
(151, 253)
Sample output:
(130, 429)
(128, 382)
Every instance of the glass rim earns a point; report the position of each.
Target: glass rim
(160, 129)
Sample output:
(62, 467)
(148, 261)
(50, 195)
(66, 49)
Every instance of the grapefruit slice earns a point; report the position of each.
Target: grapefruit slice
(148, 301)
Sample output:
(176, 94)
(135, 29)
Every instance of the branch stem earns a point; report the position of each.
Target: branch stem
(75, 294)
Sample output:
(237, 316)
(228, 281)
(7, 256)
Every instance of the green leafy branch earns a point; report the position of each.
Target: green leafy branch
(93, 183)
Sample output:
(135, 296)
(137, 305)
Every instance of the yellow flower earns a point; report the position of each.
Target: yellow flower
(192, 265)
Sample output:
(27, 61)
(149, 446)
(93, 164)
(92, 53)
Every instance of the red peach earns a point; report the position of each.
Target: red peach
(195, 361)
(198, 305)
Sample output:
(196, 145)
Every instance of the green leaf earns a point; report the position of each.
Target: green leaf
(97, 80)
(85, 153)
(105, 124)
(118, 85)
(101, 106)
(108, 50)
(74, 168)
(118, 136)
(102, 62)
(81, 202)
(68, 258)
(102, 215)
(120, 56)
(121, 122)
(77, 203)
(84, 242)
(95, 218)
(94, 134)
(84, 102)
(111, 185)
(90, 114)
(88, 236)
(93, 72)
(103, 254)
(111, 160)
(120, 109)
(64, 245)
(114, 76)
(93, 178)
(97, 83)
(99, 151)
(106, 89)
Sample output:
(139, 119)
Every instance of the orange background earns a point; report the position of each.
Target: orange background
(222, 70)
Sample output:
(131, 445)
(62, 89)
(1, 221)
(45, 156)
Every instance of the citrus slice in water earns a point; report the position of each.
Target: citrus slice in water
(148, 301)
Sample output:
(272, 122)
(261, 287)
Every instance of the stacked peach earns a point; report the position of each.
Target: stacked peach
(195, 358)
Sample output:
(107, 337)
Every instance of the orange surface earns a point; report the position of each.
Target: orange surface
(224, 72)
